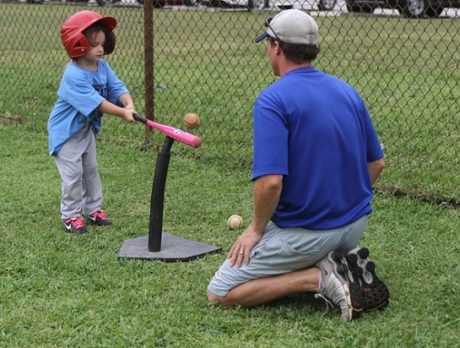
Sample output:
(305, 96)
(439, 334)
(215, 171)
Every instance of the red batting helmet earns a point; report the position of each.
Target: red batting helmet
(75, 42)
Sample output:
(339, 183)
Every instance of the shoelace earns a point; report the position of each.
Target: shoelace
(78, 222)
(100, 214)
(328, 303)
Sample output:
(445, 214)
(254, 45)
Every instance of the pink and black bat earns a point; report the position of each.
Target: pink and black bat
(174, 133)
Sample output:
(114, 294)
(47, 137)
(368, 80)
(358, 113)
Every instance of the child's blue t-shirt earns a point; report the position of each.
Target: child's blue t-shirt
(315, 130)
(80, 93)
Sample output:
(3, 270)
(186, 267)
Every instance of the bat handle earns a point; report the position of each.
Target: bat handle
(139, 119)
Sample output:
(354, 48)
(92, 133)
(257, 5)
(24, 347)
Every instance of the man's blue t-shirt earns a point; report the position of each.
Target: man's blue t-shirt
(80, 93)
(315, 130)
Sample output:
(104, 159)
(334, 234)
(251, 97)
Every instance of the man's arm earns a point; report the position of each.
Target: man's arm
(375, 168)
(266, 194)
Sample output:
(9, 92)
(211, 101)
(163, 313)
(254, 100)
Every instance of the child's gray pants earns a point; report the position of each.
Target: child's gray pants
(81, 184)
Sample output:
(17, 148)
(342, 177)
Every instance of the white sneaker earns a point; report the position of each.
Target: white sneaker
(338, 286)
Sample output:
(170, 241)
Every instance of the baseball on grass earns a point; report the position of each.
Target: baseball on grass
(191, 120)
(234, 222)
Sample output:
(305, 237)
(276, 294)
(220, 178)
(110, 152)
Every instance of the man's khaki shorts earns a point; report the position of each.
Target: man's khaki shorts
(285, 250)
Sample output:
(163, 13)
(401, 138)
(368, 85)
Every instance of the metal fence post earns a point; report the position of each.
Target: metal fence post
(148, 63)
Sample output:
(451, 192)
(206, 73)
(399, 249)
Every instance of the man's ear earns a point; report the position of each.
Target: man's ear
(277, 47)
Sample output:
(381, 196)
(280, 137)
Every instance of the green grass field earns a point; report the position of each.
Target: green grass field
(61, 290)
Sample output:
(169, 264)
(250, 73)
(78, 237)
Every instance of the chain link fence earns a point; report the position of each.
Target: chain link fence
(405, 62)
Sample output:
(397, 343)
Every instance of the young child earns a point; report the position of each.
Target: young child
(88, 89)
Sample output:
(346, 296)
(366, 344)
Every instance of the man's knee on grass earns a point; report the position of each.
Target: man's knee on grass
(220, 300)
(215, 299)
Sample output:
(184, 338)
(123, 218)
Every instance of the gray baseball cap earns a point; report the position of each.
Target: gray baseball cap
(291, 26)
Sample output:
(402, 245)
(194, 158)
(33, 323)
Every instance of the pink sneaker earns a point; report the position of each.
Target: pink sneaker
(74, 225)
(100, 218)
